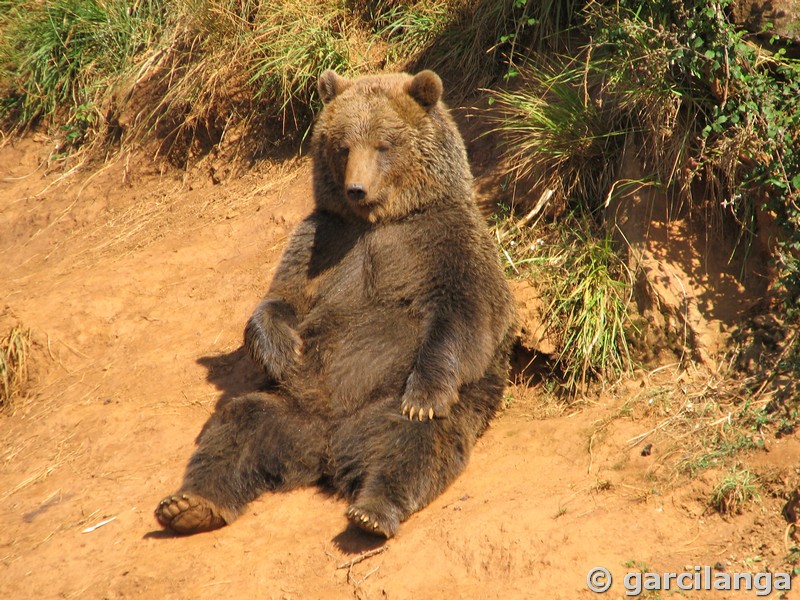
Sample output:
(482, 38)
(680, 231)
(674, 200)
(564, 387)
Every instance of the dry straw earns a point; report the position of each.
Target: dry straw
(14, 353)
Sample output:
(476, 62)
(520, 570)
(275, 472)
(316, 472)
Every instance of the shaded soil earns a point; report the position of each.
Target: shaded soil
(137, 282)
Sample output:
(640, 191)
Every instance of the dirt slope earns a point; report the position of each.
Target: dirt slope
(137, 285)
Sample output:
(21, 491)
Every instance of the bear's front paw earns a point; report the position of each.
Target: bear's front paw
(275, 347)
(419, 408)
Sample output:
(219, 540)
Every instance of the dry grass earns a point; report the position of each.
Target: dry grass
(696, 421)
(15, 349)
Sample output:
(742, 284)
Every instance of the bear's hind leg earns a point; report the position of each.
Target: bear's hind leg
(255, 443)
(418, 462)
(391, 467)
(402, 465)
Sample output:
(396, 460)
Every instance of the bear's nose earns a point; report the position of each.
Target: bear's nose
(356, 191)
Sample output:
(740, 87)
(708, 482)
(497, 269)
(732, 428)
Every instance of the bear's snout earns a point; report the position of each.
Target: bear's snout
(360, 175)
(356, 192)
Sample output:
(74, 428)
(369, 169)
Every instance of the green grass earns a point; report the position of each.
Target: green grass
(194, 69)
(555, 137)
(738, 488)
(713, 448)
(589, 306)
(293, 47)
(187, 72)
(58, 57)
(587, 290)
(409, 29)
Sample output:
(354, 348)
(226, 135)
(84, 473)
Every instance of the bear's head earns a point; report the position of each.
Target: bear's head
(385, 146)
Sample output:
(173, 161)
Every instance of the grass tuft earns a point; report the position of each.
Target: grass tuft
(737, 489)
(556, 138)
(590, 291)
(15, 350)
(292, 46)
(587, 288)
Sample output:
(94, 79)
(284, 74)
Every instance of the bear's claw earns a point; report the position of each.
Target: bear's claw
(421, 413)
(187, 513)
(438, 408)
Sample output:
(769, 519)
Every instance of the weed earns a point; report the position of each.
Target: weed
(738, 488)
(709, 111)
(792, 559)
(738, 123)
(713, 450)
(587, 289)
(409, 29)
(589, 294)
(636, 564)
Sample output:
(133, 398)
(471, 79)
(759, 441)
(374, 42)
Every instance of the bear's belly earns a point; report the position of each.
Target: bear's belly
(354, 356)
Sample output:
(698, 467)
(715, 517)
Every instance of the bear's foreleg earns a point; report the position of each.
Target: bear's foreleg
(271, 339)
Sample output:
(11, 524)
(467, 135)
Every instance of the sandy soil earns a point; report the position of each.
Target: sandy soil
(137, 282)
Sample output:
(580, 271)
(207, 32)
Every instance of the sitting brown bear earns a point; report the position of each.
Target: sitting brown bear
(387, 327)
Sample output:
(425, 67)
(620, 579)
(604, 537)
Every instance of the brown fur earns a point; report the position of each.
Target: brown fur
(386, 329)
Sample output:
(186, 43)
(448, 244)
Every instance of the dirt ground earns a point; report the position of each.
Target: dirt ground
(137, 281)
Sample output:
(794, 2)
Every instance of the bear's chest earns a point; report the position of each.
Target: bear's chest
(381, 270)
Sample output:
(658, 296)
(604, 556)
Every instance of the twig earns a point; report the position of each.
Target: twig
(546, 195)
(98, 526)
(787, 536)
(510, 261)
(363, 579)
(362, 557)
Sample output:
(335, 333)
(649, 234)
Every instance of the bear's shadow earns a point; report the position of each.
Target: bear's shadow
(354, 541)
(233, 374)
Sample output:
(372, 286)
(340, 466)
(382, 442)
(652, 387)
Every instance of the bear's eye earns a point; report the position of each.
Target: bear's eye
(342, 149)
(383, 146)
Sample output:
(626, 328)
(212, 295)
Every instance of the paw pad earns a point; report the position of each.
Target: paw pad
(187, 513)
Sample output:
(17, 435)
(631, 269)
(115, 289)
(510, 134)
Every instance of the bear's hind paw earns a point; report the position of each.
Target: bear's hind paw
(187, 513)
(371, 522)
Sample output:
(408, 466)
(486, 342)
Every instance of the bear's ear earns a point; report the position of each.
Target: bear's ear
(331, 85)
(425, 88)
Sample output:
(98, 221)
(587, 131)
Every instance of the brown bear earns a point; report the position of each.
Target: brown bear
(386, 331)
